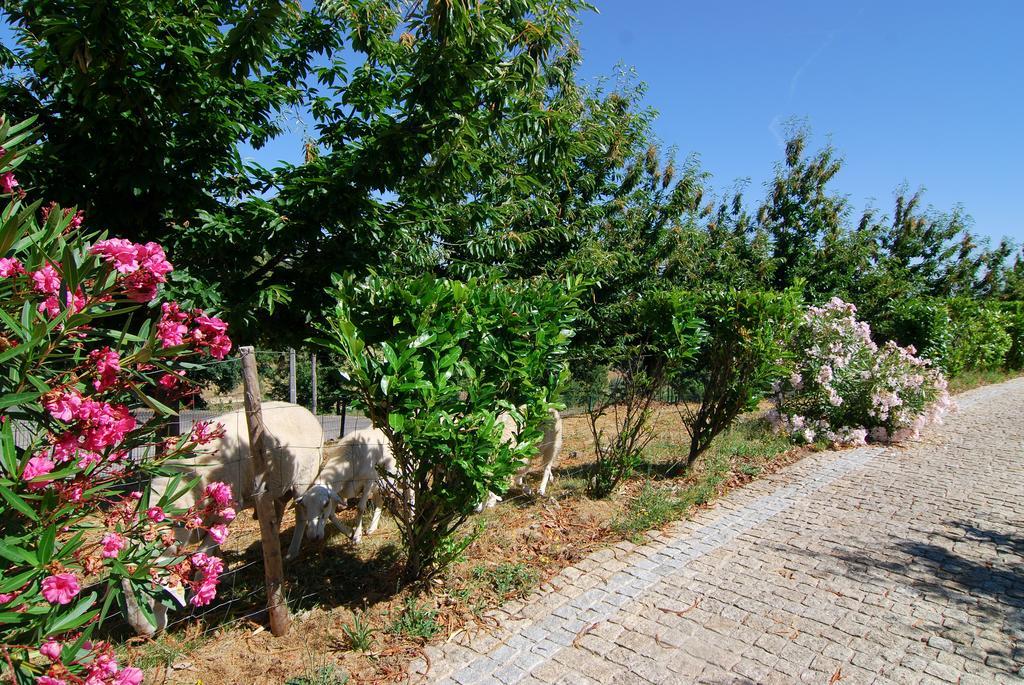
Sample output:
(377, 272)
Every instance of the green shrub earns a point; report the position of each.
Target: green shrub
(1013, 313)
(666, 334)
(921, 322)
(743, 352)
(979, 337)
(432, 362)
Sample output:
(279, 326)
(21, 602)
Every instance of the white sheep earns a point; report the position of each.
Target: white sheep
(548, 449)
(294, 444)
(352, 468)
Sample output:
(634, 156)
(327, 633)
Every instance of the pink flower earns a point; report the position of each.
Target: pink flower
(211, 333)
(51, 649)
(51, 305)
(169, 381)
(112, 545)
(87, 458)
(227, 513)
(119, 252)
(205, 432)
(171, 329)
(9, 266)
(152, 259)
(128, 676)
(219, 492)
(46, 280)
(141, 286)
(47, 680)
(37, 466)
(155, 514)
(205, 593)
(108, 364)
(219, 533)
(8, 183)
(61, 588)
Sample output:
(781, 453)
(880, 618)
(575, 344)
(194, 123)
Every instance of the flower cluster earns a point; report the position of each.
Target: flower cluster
(847, 390)
(177, 327)
(95, 661)
(144, 266)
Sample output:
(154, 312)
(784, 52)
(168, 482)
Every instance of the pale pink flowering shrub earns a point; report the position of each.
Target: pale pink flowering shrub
(80, 354)
(847, 390)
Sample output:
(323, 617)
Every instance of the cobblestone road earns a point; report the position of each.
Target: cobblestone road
(872, 565)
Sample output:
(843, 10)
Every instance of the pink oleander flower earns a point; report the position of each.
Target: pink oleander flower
(51, 649)
(119, 252)
(103, 667)
(219, 533)
(156, 514)
(37, 466)
(51, 305)
(46, 280)
(205, 432)
(48, 680)
(8, 182)
(169, 381)
(6, 597)
(171, 329)
(128, 675)
(61, 588)
(152, 258)
(108, 365)
(112, 545)
(87, 459)
(227, 513)
(9, 266)
(219, 493)
(204, 594)
(64, 404)
(211, 334)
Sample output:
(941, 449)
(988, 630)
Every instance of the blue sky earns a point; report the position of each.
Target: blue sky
(928, 93)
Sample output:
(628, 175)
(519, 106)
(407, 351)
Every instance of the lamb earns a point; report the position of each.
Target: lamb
(294, 443)
(352, 468)
(548, 448)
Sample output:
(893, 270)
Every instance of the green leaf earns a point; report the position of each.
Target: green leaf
(397, 422)
(15, 501)
(14, 399)
(77, 616)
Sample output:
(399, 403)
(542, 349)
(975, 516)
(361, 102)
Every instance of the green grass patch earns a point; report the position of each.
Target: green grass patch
(414, 621)
(968, 380)
(165, 650)
(507, 580)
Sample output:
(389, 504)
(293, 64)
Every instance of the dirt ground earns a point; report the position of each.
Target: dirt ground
(337, 585)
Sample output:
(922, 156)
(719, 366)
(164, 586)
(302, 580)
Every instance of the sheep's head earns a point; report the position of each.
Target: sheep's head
(318, 503)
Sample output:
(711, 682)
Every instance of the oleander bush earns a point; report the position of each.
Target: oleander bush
(85, 342)
(846, 389)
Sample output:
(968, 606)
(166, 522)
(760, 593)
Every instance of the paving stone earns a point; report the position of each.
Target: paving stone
(886, 565)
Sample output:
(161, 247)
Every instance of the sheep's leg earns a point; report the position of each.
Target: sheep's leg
(357, 534)
(300, 531)
(543, 487)
(377, 507)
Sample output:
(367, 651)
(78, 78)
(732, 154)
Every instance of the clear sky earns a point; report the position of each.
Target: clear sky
(931, 93)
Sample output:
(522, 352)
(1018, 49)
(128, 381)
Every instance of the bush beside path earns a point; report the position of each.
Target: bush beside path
(872, 565)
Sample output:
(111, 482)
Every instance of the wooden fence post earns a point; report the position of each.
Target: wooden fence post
(293, 395)
(277, 607)
(312, 374)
